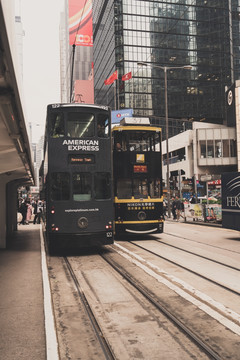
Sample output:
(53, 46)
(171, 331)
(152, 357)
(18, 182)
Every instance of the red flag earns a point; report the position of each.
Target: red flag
(127, 76)
(111, 78)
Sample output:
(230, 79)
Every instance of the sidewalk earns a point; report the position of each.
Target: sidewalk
(22, 335)
(190, 221)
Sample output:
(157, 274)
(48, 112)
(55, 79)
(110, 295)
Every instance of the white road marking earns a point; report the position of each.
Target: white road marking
(205, 303)
(50, 331)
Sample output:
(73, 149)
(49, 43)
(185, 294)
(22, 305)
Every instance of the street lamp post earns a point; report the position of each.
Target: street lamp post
(165, 69)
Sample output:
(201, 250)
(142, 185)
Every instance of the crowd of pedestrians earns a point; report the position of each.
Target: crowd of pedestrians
(28, 208)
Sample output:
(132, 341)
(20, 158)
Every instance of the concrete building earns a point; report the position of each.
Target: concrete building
(171, 34)
(83, 58)
(201, 154)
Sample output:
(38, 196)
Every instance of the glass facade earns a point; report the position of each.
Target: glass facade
(171, 33)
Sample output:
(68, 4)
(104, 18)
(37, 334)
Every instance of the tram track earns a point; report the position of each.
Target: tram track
(107, 352)
(130, 312)
(190, 270)
(199, 242)
(156, 302)
(201, 256)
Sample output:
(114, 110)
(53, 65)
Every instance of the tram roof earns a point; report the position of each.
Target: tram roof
(66, 105)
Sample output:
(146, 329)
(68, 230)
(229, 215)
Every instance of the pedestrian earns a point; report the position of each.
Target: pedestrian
(39, 211)
(29, 212)
(178, 207)
(174, 209)
(34, 205)
(192, 200)
(23, 211)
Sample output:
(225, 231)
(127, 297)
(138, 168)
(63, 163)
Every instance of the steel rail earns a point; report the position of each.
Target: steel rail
(102, 341)
(193, 337)
(186, 268)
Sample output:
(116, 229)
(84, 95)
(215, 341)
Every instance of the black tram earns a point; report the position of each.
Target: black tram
(137, 174)
(77, 175)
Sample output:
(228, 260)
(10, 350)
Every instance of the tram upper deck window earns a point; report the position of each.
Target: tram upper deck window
(80, 125)
(103, 125)
(56, 125)
(82, 187)
(102, 186)
(144, 141)
(60, 186)
(124, 189)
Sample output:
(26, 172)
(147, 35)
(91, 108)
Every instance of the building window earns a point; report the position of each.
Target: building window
(202, 149)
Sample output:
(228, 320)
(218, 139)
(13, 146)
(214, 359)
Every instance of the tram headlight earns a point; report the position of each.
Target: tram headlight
(82, 222)
(141, 215)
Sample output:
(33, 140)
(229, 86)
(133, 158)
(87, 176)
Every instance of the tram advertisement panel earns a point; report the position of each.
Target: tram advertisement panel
(231, 200)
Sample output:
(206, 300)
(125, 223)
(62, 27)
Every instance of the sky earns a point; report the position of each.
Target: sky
(41, 59)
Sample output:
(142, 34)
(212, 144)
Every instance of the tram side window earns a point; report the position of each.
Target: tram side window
(60, 186)
(82, 187)
(155, 142)
(155, 188)
(124, 189)
(140, 188)
(102, 186)
(80, 125)
(102, 125)
(56, 125)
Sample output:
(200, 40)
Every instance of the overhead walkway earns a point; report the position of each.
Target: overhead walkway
(16, 167)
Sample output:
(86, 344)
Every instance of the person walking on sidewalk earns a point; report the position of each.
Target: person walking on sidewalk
(178, 207)
(174, 209)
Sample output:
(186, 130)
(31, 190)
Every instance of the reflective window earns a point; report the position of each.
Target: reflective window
(56, 125)
(140, 188)
(82, 187)
(226, 148)
(60, 186)
(80, 125)
(103, 125)
(137, 141)
(102, 186)
(124, 189)
(203, 149)
(155, 188)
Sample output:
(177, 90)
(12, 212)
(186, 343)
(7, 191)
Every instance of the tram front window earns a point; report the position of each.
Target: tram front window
(56, 125)
(140, 188)
(80, 125)
(155, 188)
(81, 186)
(124, 189)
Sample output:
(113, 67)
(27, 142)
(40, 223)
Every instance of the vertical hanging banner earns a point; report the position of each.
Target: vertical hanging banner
(80, 22)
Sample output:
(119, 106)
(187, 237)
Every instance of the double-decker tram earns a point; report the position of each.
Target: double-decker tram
(137, 176)
(77, 175)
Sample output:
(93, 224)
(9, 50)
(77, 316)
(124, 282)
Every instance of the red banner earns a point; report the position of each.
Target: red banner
(111, 78)
(80, 22)
(127, 76)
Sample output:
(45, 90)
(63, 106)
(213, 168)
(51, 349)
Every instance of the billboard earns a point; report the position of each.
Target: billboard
(80, 22)
(84, 91)
(231, 200)
(118, 115)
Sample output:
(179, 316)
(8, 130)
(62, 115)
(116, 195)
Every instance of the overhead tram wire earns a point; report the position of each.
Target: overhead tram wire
(73, 52)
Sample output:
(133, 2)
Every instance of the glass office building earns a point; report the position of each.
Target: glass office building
(170, 33)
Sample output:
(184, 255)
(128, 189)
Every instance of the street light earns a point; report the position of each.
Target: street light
(165, 69)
